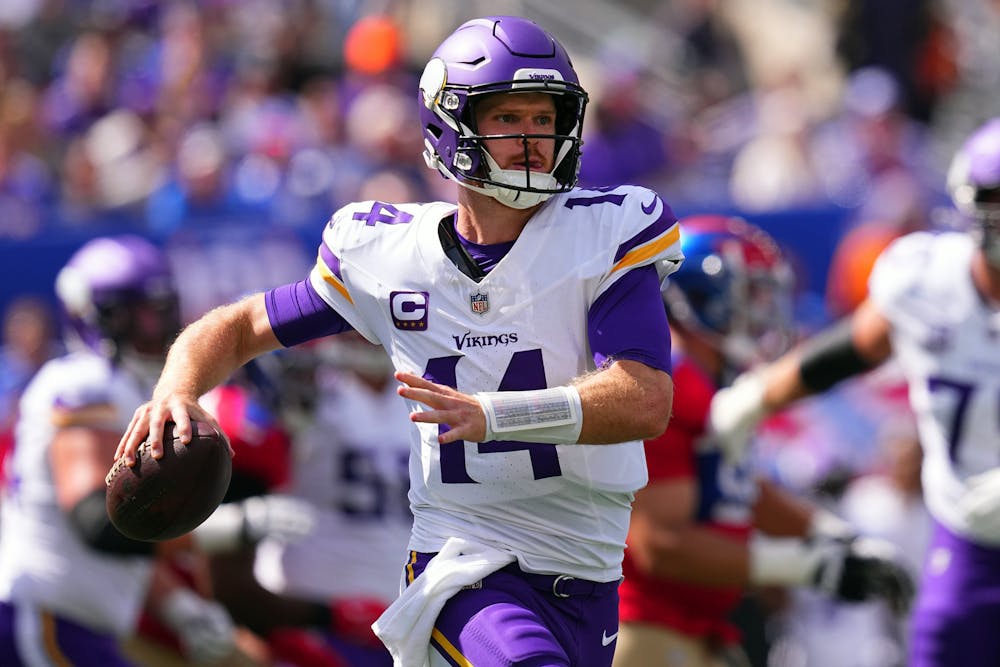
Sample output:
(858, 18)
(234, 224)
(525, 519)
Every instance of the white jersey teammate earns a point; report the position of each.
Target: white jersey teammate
(934, 305)
(42, 559)
(350, 463)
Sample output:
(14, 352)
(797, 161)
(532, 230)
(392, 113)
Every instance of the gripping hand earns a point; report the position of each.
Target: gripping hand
(980, 505)
(866, 569)
(735, 413)
(204, 627)
(244, 523)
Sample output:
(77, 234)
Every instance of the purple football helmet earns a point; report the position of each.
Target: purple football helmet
(491, 55)
(734, 290)
(119, 297)
(974, 184)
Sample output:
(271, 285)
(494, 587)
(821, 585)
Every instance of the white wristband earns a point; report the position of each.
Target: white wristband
(542, 415)
(784, 561)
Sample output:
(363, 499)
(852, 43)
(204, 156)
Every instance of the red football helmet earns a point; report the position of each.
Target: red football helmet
(734, 288)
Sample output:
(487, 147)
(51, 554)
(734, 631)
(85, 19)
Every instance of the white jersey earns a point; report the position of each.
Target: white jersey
(559, 508)
(351, 464)
(42, 561)
(947, 342)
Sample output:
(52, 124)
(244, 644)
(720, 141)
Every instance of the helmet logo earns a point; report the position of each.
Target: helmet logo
(432, 81)
(534, 75)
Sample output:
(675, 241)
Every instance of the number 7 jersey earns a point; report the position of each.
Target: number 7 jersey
(947, 342)
(560, 508)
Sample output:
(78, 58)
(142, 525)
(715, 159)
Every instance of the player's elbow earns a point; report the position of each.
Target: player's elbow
(653, 412)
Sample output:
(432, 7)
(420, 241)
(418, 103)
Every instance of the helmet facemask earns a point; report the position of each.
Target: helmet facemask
(987, 214)
(974, 185)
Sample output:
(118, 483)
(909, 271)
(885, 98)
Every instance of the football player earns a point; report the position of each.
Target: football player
(71, 586)
(934, 305)
(352, 445)
(527, 330)
(705, 527)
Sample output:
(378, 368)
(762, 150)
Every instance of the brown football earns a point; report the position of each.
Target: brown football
(160, 499)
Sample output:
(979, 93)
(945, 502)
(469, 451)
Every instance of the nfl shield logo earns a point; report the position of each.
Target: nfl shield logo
(480, 303)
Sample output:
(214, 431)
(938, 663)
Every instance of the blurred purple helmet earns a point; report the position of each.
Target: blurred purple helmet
(490, 55)
(974, 184)
(119, 297)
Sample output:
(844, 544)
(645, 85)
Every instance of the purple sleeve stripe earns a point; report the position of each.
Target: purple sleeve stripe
(332, 261)
(629, 321)
(662, 224)
(298, 314)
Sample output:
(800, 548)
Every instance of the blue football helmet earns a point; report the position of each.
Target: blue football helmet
(734, 289)
(974, 184)
(119, 297)
(493, 55)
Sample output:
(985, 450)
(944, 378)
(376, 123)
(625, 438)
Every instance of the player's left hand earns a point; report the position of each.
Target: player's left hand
(865, 569)
(980, 505)
(204, 627)
(461, 413)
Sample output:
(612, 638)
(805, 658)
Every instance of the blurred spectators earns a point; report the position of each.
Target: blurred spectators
(622, 143)
(27, 340)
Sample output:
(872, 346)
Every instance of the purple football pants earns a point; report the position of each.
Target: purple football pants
(956, 619)
(30, 636)
(528, 620)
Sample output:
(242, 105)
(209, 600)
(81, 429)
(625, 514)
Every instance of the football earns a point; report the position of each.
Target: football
(160, 499)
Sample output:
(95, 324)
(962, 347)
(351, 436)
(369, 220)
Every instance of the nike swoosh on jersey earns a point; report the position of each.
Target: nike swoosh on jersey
(605, 639)
(649, 208)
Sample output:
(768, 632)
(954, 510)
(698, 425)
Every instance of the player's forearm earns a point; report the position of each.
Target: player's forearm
(627, 401)
(779, 514)
(697, 555)
(212, 348)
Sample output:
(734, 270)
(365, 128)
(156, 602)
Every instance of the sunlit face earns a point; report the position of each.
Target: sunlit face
(519, 113)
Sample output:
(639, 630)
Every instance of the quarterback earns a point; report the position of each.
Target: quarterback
(527, 331)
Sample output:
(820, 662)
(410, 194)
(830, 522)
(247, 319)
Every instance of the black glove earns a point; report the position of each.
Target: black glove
(866, 569)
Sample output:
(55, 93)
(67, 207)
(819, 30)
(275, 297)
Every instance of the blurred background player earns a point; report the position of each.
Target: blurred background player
(934, 307)
(71, 586)
(692, 542)
(351, 462)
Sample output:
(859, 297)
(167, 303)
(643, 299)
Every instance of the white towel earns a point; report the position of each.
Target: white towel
(405, 627)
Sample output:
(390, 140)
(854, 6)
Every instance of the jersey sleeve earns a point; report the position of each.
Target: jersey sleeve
(330, 275)
(646, 233)
(897, 269)
(82, 394)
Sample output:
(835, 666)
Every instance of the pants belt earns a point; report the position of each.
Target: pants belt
(563, 585)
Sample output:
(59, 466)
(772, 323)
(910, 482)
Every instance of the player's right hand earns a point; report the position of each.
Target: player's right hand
(866, 569)
(148, 422)
(204, 627)
(735, 412)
